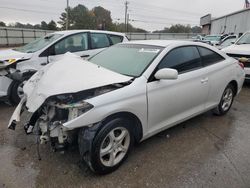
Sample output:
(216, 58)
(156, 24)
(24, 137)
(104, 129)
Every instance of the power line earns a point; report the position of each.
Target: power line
(161, 18)
(27, 10)
(144, 6)
(153, 22)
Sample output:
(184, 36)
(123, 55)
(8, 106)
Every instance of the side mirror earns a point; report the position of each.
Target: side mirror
(166, 74)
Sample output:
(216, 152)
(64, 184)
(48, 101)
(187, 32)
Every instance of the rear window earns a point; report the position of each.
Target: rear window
(209, 57)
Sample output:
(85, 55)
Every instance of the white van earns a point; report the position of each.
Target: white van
(19, 64)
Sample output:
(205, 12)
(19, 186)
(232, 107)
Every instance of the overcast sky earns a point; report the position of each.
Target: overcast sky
(147, 14)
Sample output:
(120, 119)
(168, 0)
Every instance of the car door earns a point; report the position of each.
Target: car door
(98, 42)
(171, 101)
(218, 71)
(75, 43)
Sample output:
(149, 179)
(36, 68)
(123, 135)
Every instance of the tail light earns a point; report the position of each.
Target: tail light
(241, 64)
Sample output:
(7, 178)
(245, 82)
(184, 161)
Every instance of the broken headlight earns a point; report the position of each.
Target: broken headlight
(75, 109)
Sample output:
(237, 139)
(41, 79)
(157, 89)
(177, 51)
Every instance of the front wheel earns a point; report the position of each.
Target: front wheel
(16, 91)
(110, 147)
(226, 101)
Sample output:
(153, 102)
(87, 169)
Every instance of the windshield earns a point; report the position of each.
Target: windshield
(127, 59)
(228, 42)
(245, 39)
(38, 44)
(212, 38)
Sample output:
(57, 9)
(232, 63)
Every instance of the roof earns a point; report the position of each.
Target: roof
(162, 43)
(68, 32)
(233, 13)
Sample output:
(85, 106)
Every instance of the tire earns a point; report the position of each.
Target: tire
(15, 90)
(226, 101)
(115, 139)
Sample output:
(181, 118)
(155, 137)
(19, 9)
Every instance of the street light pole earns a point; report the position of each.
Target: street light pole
(67, 19)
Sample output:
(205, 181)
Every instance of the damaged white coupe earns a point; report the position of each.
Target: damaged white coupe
(126, 94)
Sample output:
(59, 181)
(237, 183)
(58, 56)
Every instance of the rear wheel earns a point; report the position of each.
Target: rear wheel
(110, 146)
(226, 101)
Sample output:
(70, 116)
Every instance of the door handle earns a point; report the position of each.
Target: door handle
(204, 80)
(43, 64)
(85, 55)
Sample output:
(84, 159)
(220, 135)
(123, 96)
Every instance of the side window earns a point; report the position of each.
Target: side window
(209, 57)
(99, 40)
(182, 59)
(73, 43)
(115, 39)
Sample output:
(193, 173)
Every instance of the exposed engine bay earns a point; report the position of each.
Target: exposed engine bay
(48, 120)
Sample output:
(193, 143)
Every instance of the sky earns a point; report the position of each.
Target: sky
(147, 14)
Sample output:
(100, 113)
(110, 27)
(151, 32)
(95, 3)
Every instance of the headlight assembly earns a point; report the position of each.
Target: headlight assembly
(76, 109)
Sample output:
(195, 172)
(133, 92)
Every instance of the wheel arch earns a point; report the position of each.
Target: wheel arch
(137, 129)
(235, 86)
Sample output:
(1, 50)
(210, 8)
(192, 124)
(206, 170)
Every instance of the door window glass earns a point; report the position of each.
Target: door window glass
(99, 40)
(73, 43)
(116, 39)
(182, 59)
(209, 57)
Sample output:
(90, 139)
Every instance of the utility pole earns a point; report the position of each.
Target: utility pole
(67, 19)
(127, 22)
(126, 12)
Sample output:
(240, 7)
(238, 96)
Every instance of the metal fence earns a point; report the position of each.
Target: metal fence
(161, 36)
(18, 36)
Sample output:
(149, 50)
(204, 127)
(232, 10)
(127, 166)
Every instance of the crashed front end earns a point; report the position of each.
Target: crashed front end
(48, 121)
(51, 101)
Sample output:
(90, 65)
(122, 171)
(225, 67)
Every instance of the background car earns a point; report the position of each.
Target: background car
(213, 39)
(19, 64)
(241, 51)
(125, 94)
(227, 41)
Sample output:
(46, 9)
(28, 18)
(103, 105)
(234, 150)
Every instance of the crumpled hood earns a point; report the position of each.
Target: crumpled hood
(70, 74)
(243, 49)
(12, 54)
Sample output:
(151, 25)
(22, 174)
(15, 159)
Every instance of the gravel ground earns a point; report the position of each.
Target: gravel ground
(206, 151)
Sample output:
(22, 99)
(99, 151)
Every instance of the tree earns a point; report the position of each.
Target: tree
(103, 18)
(79, 18)
(2, 24)
(44, 25)
(196, 29)
(52, 25)
(178, 28)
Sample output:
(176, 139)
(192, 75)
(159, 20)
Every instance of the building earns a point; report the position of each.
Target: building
(236, 22)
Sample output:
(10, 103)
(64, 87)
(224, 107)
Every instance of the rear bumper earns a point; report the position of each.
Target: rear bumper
(4, 86)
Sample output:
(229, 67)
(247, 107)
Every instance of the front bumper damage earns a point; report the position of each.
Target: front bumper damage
(47, 122)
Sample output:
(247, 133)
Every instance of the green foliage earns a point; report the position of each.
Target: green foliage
(45, 26)
(2, 24)
(178, 28)
(97, 18)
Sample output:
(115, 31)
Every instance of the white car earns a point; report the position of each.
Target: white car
(212, 39)
(228, 41)
(19, 64)
(126, 94)
(241, 51)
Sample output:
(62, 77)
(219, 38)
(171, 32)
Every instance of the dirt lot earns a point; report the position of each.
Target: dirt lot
(206, 151)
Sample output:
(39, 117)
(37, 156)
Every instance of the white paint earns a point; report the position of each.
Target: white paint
(158, 104)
